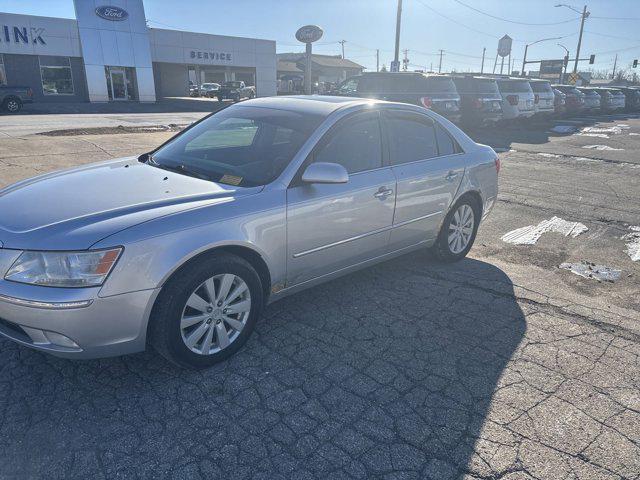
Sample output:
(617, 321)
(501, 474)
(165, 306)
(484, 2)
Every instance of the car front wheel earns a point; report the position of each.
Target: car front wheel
(13, 105)
(458, 231)
(207, 311)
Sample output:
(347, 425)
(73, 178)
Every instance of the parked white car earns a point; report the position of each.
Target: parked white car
(209, 89)
(543, 97)
(517, 98)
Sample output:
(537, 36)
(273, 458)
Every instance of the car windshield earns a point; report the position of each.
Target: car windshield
(541, 87)
(514, 86)
(240, 145)
(232, 84)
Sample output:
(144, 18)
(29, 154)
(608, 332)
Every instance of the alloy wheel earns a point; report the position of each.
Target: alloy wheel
(215, 314)
(461, 229)
(13, 106)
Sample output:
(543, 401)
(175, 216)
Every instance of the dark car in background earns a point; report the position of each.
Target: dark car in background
(592, 99)
(12, 98)
(632, 99)
(559, 102)
(480, 100)
(435, 92)
(574, 101)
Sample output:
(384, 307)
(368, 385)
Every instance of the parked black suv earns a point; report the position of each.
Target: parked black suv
(480, 100)
(436, 92)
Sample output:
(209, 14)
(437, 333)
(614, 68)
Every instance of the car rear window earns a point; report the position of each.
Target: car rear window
(514, 86)
(440, 85)
(540, 87)
(486, 86)
(382, 83)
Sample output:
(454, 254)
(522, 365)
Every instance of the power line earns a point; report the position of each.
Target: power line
(611, 36)
(513, 21)
(455, 21)
(615, 18)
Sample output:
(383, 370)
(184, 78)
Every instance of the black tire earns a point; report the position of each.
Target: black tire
(164, 331)
(441, 248)
(12, 105)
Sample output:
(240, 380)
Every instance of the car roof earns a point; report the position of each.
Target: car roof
(312, 104)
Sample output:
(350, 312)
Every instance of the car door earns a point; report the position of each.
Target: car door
(429, 165)
(334, 226)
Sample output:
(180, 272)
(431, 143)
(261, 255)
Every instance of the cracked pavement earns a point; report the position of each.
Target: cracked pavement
(499, 367)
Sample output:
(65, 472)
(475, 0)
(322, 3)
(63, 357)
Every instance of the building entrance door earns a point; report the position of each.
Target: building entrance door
(118, 84)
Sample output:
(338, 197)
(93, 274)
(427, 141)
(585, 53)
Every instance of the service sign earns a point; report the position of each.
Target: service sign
(114, 14)
(309, 34)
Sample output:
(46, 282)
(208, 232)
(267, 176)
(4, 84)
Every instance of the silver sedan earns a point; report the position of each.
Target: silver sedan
(181, 248)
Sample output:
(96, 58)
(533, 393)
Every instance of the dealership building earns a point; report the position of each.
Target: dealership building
(109, 54)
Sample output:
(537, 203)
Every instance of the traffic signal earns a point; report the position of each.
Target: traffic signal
(592, 59)
(635, 63)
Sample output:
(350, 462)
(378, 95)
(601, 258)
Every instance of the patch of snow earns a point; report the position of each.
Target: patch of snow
(529, 235)
(603, 147)
(612, 130)
(599, 135)
(633, 133)
(633, 243)
(624, 126)
(549, 155)
(600, 273)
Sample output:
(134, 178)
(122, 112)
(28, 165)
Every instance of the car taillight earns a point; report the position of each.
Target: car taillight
(497, 161)
(29, 92)
(536, 99)
(426, 102)
(477, 103)
(512, 99)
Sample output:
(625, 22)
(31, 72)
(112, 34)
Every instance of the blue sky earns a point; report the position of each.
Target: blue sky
(428, 25)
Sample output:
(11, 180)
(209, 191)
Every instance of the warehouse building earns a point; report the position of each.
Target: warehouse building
(109, 54)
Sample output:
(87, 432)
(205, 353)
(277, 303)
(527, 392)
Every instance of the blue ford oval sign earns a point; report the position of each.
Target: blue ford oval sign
(115, 14)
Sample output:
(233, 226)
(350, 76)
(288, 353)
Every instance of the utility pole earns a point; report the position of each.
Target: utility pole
(615, 63)
(405, 60)
(342, 42)
(377, 59)
(440, 65)
(585, 14)
(396, 57)
(484, 50)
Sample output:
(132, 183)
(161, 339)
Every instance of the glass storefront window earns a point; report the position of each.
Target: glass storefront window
(56, 75)
(3, 74)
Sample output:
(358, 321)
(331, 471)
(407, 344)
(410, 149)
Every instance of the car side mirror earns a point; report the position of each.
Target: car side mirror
(323, 172)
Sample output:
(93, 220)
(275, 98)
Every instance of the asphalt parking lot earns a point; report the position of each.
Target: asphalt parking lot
(503, 366)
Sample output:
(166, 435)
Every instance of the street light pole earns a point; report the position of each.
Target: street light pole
(584, 15)
(526, 47)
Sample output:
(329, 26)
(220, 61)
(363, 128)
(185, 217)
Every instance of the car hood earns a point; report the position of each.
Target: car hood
(76, 208)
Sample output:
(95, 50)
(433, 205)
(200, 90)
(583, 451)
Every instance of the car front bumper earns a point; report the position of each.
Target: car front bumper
(75, 323)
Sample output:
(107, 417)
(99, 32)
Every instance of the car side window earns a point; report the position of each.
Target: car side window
(412, 137)
(356, 144)
(446, 144)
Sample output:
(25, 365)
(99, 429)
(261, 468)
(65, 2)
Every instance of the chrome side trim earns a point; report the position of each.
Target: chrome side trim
(46, 305)
(364, 235)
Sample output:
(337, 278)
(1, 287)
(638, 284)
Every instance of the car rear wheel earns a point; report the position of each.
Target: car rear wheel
(458, 231)
(12, 105)
(207, 311)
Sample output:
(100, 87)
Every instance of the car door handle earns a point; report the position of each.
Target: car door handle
(383, 193)
(452, 176)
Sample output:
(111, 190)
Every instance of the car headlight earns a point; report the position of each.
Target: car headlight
(64, 269)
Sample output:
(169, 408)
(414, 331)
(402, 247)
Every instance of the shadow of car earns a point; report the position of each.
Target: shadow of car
(390, 367)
